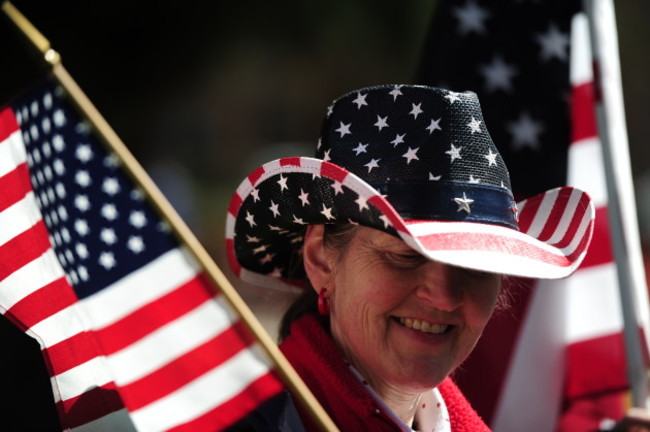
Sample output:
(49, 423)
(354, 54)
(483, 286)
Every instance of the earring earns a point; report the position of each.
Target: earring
(323, 302)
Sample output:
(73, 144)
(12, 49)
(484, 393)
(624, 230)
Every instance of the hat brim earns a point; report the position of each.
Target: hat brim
(555, 228)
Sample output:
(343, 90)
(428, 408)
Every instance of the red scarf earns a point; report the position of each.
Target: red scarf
(317, 360)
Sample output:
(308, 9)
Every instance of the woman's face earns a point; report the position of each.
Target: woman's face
(404, 321)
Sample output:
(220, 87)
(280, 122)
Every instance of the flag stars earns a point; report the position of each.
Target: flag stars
(474, 180)
(107, 260)
(411, 154)
(255, 193)
(416, 110)
(454, 153)
(361, 148)
(109, 211)
(498, 75)
(283, 183)
(327, 212)
(362, 203)
(59, 118)
(464, 203)
(474, 125)
(491, 158)
(82, 203)
(396, 92)
(82, 251)
(374, 163)
(525, 132)
(471, 18)
(381, 122)
(434, 125)
(260, 249)
(338, 187)
(554, 44)
(344, 129)
(267, 258)
(274, 209)
(138, 219)
(304, 197)
(326, 155)
(135, 244)
(399, 139)
(250, 219)
(298, 220)
(81, 227)
(452, 97)
(84, 153)
(111, 186)
(108, 236)
(82, 178)
(434, 177)
(360, 100)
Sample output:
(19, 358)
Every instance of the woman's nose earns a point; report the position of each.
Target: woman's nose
(438, 286)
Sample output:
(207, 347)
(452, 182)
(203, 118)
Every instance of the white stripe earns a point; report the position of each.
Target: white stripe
(230, 226)
(30, 278)
(586, 169)
(60, 326)
(593, 300)
(203, 394)
(544, 210)
(171, 341)
(117, 421)
(580, 69)
(12, 153)
(244, 189)
(565, 221)
(80, 379)
(18, 218)
(159, 277)
(579, 235)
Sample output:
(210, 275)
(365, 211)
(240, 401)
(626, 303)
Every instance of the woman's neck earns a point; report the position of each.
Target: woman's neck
(402, 404)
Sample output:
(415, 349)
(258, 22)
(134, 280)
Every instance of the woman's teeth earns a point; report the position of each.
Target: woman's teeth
(423, 326)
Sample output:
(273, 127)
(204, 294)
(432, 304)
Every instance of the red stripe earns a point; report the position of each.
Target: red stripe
(91, 405)
(232, 257)
(14, 186)
(554, 217)
(156, 314)
(382, 205)
(334, 172)
(236, 408)
(486, 242)
(576, 220)
(255, 175)
(600, 249)
(43, 303)
(527, 214)
(583, 114)
(290, 161)
(8, 123)
(71, 352)
(235, 204)
(187, 367)
(23, 249)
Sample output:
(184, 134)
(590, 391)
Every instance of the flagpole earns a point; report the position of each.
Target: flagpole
(621, 205)
(290, 378)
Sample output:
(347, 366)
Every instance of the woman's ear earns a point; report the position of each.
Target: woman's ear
(317, 263)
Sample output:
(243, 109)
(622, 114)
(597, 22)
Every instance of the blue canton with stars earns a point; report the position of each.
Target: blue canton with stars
(101, 226)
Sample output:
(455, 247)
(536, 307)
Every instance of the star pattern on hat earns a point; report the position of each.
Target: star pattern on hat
(464, 203)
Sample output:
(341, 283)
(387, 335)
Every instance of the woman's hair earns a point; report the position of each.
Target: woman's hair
(337, 237)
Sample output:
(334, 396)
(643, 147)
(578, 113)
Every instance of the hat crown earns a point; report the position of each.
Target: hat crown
(411, 133)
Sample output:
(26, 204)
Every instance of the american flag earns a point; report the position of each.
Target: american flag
(133, 332)
(559, 349)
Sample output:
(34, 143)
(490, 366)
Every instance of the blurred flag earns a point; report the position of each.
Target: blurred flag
(134, 334)
(556, 359)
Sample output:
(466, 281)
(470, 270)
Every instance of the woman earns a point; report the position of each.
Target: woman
(399, 233)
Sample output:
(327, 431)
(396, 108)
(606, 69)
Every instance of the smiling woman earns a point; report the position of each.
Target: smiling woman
(399, 232)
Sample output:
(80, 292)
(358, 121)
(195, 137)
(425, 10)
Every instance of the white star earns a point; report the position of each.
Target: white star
(398, 139)
(111, 186)
(475, 125)
(474, 180)
(525, 132)
(554, 44)
(498, 75)
(416, 111)
(372, 164)
(59, 166)
(107, 260)
(381, 122)
(338, 188)
(471, 18)
(135, 244)
(361, 148)
(327, 212)
(260, 249)
(326, 155)
(59, 118)
(435, 124)
(283, 183)
(464, 203)
(330, 110)
(491, 157)
(82, 203)
(452, 96)
(396, 92)
(81, 226)
(250, 219)
(84, 153)
(256, 195)
(362, 203)
(411, 154)
(434, 178)
(344, 129)
(82, 251)
(107, 235)
(252, 239)
(304, 197)
(47, 100)
(82, 178)
(267, 258)
(454, 152)
(138, 219)
(386, 221)
(274, 209)
(109, 211)
(360, 100)
(111, 161)
(299, 220)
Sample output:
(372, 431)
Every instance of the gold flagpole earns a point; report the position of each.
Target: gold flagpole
(284, 368)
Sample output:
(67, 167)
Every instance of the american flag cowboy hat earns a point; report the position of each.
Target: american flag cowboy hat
(416, 162)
